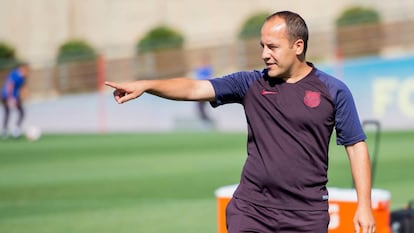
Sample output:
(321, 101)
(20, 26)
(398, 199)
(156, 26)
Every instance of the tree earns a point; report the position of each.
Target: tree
(75, 50)
(160, 38)
(249, 35)
(77, 68)
(358, 32)
(251, 27)
(160, 53)
(7, 56)
(357, 15)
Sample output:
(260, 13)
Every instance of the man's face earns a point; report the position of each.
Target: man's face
(279, 54)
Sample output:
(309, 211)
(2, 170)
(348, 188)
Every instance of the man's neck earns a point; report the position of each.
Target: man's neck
(300, 71)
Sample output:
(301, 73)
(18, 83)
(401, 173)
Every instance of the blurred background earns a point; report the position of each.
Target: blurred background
(153, 165)
(74, 45)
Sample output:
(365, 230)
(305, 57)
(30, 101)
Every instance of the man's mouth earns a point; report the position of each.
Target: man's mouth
(270, 65)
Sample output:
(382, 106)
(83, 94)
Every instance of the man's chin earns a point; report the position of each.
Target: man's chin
(272, 74)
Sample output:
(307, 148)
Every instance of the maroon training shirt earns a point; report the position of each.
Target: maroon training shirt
(289, 129)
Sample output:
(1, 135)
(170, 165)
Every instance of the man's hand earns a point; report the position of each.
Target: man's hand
(126, 91)
(364, 221)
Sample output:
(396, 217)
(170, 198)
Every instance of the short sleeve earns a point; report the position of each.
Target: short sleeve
(348, 125)
(233, 87)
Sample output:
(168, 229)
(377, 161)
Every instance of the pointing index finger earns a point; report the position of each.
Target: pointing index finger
(111, 84)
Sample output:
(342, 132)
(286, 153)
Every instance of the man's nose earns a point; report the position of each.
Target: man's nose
(265, 53)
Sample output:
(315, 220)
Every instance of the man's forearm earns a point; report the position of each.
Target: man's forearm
(361, 172)
(174, 89)
(179, 89)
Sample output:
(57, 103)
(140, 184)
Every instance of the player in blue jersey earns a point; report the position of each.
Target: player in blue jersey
(11, 98)
(291, 110)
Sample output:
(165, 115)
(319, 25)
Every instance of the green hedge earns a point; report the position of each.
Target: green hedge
(7, 56)
(358, 15)
(160, 38)
(75, 50)
(252, 26)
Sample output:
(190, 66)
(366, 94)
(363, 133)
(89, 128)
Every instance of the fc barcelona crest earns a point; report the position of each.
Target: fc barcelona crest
(312, 99)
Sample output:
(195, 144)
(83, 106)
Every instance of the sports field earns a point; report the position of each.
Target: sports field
(149, 182)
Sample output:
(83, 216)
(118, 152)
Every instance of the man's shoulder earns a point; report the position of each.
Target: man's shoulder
(251, 75)
(329, 80)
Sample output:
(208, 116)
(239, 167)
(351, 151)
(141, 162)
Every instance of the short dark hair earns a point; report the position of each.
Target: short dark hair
(295, 25)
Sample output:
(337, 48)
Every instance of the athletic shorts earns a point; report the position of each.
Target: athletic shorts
(243, 217)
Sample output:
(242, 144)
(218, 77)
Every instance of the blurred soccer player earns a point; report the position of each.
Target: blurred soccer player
(291, 110)
(204, 71)
(11, 98)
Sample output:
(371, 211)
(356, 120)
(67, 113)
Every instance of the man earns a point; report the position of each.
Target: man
(11, 97)
(291, 109)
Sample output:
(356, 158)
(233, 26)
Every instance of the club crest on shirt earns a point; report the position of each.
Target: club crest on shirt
(312, 99)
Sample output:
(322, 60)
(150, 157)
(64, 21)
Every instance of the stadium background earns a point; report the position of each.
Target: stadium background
(150, 180)
(37, 29)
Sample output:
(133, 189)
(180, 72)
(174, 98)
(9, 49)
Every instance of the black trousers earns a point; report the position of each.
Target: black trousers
(6, 109)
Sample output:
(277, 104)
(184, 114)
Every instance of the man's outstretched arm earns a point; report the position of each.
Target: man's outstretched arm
(174, 89)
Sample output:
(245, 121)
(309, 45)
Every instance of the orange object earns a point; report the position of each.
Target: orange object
(342, 206)
(223, 197)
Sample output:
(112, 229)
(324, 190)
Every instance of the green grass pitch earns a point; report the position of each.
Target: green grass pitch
(149, 182)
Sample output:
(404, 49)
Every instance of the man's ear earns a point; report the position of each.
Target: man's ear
(299, 46)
